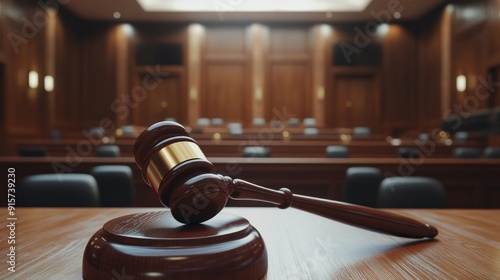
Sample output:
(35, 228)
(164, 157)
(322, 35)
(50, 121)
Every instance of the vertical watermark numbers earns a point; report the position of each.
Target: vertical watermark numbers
(11, 219)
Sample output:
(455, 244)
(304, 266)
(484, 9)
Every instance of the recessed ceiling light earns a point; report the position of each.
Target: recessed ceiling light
(117, 15)
(397, 15)
(254, 6)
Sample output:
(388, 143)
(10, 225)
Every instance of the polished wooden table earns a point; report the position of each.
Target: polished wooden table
(50, 244)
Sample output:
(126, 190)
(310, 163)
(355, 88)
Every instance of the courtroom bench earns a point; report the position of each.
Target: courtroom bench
(279, 148)
(469, 183)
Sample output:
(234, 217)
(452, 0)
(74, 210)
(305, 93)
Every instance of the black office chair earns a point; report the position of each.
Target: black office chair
(361, 186)
(202, 122)
(309, 122)
(256, 152)
(492, 152)
(217, 122)
(311, 131)
(35, 151)
(407, 152)
(461, 137)
(411, 192)
(258, 122)
(107, 151)
(293, 122)
(335, 151)
(424, 137)
(467, 152)
(116, 185)
(58, 190)
(362, 131)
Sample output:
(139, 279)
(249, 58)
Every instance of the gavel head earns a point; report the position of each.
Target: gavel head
(175, 167)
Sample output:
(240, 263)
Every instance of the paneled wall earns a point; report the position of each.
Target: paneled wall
(240, 71)
(225, 74)
(475, 54)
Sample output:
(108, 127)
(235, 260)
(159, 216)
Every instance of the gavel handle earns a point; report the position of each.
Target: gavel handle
(355, 215)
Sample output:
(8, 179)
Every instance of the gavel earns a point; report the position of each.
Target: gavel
(173, 164)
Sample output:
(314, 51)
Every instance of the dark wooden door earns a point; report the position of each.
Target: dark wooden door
(162, 100)
(353, 100)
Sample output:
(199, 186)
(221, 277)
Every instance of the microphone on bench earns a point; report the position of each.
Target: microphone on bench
(173, 164)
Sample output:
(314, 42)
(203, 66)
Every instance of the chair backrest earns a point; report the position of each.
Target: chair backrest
(235, 131)
(408, 152)
(276, 123)
(35, 151)
(234, 125)
(107, 151)
(361, 186)
(203, 122)
(311, 131)
(310, 122)
(424, 137)
(116, 185)
(97, 132)
(217, 122)
(58, 190)
(128, 130)
(258, 122)
(492, 152)
(467, 152)
(461, 137)
(335, 151)
(361, 131)
(411, 192)
(256, 151)
(293, 122)
(55, 135)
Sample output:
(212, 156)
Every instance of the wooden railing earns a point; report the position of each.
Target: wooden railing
(469, 183)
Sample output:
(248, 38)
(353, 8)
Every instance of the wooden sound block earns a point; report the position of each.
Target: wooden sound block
(154, 245)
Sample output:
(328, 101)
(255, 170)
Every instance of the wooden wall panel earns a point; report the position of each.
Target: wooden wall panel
(99, 77)
(24, 116)
(164, 99)
(225, 40)
(285, 40)
(225, 74)
(429, 71)
(67, 95)
(288, 71)
(354, 99)
(225, 92)
(493, 10)
(3, 35)
(290, 88)
(398, 83)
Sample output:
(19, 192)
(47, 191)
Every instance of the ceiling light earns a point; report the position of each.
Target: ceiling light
(397, 15)
(117, 15)
(254, 6)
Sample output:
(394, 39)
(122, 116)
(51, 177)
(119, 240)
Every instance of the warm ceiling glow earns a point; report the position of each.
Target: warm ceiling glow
(254, 5)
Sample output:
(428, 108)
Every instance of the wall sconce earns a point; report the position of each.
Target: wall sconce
(461, 83)
(33, 79)
(48, 83)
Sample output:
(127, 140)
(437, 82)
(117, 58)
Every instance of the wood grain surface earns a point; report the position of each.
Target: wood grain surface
(50, 244)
